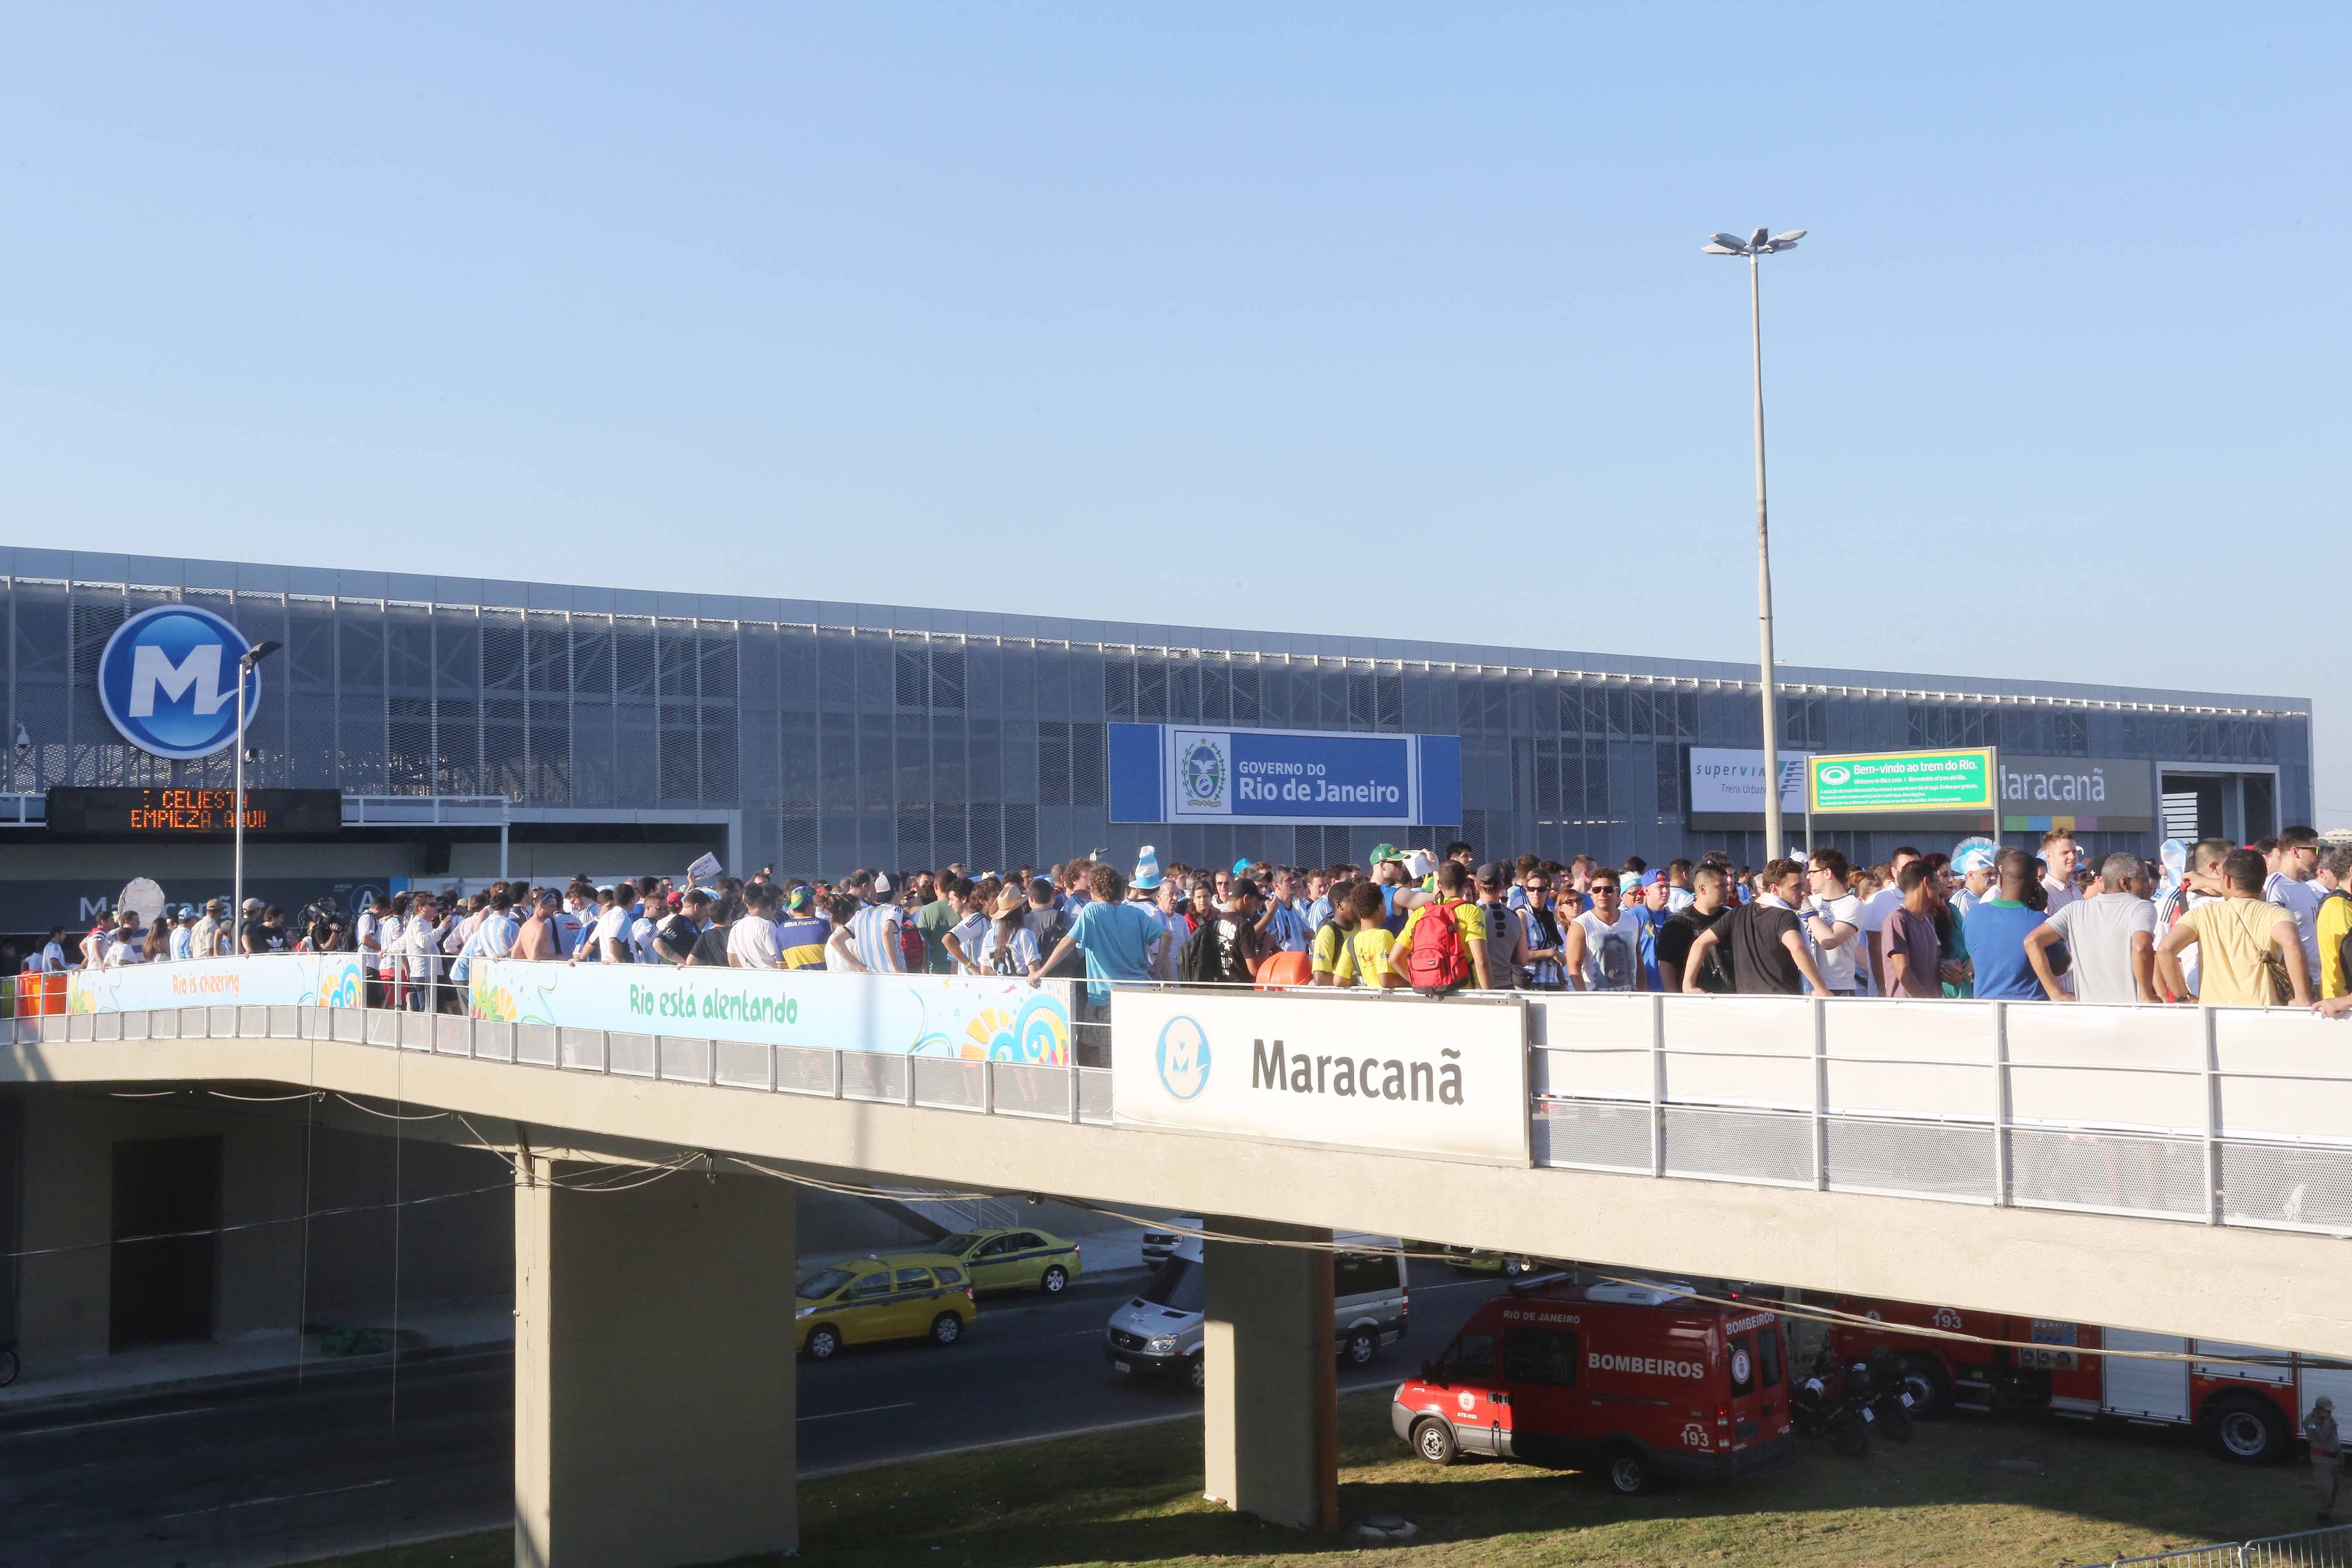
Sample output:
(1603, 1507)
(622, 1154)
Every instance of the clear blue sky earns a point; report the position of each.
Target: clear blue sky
(1221, 318)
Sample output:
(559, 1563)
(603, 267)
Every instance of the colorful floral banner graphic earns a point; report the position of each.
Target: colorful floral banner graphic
(970, 1017)
(276, 980)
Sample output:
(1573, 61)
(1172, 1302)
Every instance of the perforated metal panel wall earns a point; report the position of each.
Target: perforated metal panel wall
(874, 744)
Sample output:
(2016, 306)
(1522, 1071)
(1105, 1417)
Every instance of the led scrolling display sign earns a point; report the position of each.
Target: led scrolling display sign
(192, 813)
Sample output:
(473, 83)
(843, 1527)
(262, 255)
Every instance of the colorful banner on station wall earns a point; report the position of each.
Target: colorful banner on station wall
(970, 1017)
(278, 980)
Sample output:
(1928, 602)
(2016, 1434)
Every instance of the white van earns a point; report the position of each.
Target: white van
(1159, 1333)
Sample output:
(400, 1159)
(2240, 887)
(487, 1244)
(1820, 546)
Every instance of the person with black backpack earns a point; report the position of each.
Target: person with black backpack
(1228, 946)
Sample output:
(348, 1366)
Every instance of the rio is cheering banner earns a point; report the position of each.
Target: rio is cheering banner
(271, 980)
(1175, 773)
(970, 1017)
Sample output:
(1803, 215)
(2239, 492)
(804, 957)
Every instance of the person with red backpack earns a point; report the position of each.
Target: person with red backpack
(1443, 943)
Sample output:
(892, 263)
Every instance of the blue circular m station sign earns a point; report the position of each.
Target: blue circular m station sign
(167, 681)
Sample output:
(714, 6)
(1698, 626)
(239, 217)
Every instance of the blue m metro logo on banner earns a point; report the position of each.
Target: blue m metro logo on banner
(167, 681)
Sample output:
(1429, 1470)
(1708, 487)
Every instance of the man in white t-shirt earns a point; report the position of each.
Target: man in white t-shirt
(1832, 919)
(752, 941)
(1604, 942)
(2292, 887)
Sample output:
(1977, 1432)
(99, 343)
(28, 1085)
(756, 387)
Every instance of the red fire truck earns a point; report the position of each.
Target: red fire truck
(2249, 1413)
(1639, 1380)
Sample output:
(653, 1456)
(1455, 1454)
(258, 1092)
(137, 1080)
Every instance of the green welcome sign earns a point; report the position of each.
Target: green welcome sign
(1902, 781)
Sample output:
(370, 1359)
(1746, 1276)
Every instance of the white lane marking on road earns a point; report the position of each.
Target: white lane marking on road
(290, 1496)
(113, 1421)
(863, 1410)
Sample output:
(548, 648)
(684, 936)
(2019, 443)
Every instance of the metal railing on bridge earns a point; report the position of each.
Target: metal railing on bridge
(2206, 1115)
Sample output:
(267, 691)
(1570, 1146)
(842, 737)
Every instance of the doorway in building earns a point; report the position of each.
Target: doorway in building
(2193, 806)
(163, 1287)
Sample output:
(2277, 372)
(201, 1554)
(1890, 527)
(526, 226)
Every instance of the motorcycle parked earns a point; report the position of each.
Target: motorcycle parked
(1835, 1403)
(1890, 1395)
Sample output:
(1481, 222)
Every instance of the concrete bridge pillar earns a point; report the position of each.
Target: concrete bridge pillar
(1272, 1403)
(653, 1370)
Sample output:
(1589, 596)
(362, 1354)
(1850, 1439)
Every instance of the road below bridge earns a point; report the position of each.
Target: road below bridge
(277, 1476)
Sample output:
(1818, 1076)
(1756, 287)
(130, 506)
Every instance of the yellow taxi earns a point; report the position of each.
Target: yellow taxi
(861, 1300)
(1014, 1259)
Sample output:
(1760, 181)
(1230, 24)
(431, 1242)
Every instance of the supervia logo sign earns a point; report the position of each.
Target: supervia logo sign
(1182, 1057)
(167, 681)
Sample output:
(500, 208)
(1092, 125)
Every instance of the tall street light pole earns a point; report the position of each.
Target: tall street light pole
(1755, 248)
(245, 668)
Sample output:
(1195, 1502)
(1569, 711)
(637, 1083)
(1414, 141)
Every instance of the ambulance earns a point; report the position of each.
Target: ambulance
(2249, 1413)
(1639, 1380)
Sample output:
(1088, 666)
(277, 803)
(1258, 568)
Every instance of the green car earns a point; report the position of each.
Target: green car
(1012, 1259)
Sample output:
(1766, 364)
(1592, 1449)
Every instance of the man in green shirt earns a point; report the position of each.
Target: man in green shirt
(937, 917)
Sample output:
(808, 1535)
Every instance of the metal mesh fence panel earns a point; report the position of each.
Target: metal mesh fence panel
(949, 1082)
(104, 1026)
(1608, 1134)
(2050, 1169)
(684, 1060)
(494, 1042)
(1915, 1159)
(1023, 1088)
(630, 1054)
(802, 1069)
(2290, 1185)
(1094, 1094)
(870, 1075)
(739, 1064)
(582, 1048)
(1753, 1146)
(453, 1036)
(383, 1026)
(536, 1043)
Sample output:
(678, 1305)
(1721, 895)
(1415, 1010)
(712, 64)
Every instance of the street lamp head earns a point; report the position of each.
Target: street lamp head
(261, 651)
(1730, 242)
(1788, 237)
(1714, 249)
(1760, 240)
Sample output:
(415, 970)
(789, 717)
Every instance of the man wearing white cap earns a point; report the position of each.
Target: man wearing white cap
(1973, 865)
(1143, 888)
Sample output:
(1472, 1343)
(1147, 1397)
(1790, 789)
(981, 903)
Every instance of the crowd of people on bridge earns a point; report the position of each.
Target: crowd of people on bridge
(2259, 924)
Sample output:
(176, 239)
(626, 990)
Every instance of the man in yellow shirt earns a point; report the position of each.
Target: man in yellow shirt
(2335, 924)
(1469, 921)
(2232, 935)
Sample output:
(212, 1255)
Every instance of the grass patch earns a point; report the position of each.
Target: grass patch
(1984, 1493)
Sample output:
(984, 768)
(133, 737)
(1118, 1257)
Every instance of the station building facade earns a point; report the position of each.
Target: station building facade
(613, 730)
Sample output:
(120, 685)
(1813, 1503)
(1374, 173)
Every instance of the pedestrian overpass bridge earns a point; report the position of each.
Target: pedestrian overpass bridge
(2174, 1169)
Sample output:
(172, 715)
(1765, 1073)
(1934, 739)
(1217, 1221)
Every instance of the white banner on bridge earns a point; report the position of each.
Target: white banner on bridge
(281, 980)
(1401, 1075)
